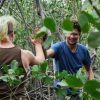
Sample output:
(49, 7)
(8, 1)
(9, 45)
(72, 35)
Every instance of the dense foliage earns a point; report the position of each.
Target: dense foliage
(51, 17)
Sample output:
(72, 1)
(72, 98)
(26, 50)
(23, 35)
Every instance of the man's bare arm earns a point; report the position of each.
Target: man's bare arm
(50, 53)
(89, 72)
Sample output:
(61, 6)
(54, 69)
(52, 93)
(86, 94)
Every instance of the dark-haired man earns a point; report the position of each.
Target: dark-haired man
(70, 55)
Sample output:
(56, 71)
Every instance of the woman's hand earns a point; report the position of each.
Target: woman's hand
(37, 41)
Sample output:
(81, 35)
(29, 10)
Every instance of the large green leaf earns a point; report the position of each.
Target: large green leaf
(14, 82)
(82, 19)
(81, 75)
(61, 93)
(63, 83)
(4, 78)
(40, 34)
(86, 96)
(61, 75)
(50, 24)
(36, 72)
(14, 65)
(35, 69)
(91, 19)
(48, 41)
(92, 87)
(94, 39)
(48, 80)
(43, 66)
(5, 69)
(19, 71)
(38, 76)
(84, 23)
(67, 25)
(86, 28)
(72, 81)
(97, 25)
(11, 71)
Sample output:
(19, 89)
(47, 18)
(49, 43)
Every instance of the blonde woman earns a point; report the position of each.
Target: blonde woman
(9, 52)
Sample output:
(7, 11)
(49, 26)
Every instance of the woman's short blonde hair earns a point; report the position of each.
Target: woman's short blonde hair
(4, 21)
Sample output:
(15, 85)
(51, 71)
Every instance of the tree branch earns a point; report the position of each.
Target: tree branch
(1, 3)
(97, 11)
(21, 13)
(40, 11)
(29, 41)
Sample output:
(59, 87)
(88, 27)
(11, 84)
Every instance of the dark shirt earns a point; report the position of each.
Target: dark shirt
(7, 55)
(65, 59)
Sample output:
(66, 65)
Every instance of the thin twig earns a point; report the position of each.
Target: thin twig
(97, 11)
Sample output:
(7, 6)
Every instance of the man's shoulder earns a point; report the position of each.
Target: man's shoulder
(59, 43)
(81, 46)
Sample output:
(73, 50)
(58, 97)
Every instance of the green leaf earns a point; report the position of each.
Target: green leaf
(48, 42)
(57, 75)
(48, 80)
(43, 29)
(83, 20)
(67, 25)
(81, 75)
(63, 83)
(38, 35)
(61, 93)
(50, 24)
(16, 82)
(11, 71)
(12, 81)
(36, 72)
(5, 69)
(86, 28)
(19, 71)
(14, 64)
(92, 87)
(91, 19)
(94, 39)
(97, 24)
(84, 23)
(72, 81)
(44, 66)
(86, 96)
(4, 78)
(39, 76)
(62, 75)
(12, 77)
(35, 68)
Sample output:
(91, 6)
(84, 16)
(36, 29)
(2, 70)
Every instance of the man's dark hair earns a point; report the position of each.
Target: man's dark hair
(77, 26)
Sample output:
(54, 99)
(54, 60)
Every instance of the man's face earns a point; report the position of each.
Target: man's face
(73, 37)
